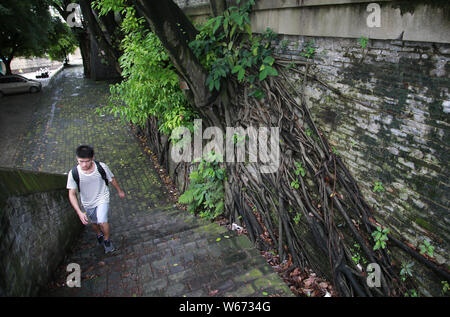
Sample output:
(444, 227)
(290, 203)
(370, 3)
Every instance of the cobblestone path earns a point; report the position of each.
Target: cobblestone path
(162, 251)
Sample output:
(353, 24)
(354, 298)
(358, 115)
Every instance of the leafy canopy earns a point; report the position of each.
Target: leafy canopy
(24, 28)
(151, 86)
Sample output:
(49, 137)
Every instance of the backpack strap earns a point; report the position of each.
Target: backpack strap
(100, 169)
(76, 177)
(102, 172)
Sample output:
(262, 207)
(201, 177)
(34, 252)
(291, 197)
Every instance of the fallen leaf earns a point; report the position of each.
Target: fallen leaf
(309, 281)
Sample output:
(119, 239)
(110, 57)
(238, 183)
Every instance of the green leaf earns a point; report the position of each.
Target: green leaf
(263, 75)
(241, 74)
(217, 85)
(236, 69)
(268, 60)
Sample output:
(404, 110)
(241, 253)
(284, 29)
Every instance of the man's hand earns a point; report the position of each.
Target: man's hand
(119, 190)
(84, 218)
(74, 201)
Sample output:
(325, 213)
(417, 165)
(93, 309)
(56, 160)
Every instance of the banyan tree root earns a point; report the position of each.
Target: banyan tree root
(327, 194)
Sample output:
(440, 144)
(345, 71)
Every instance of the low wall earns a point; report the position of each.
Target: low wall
(37, 228)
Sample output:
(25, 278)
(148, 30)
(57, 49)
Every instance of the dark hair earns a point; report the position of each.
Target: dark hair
(85, 151)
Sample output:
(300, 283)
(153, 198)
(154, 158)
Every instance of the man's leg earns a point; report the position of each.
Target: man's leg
(96, 228)
(92, 215)
(102, 216)
(105, 229)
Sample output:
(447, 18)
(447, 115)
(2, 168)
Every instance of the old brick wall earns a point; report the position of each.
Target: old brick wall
(391, 125)
(37, 228)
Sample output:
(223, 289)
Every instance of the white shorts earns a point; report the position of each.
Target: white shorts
(98, 214)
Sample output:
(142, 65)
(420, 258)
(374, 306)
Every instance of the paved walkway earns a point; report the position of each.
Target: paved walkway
(162, 251)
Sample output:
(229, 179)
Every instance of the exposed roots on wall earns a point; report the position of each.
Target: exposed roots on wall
(325, 207)
(331, 205)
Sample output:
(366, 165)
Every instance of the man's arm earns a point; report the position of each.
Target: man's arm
(74, 201)
(116, 185)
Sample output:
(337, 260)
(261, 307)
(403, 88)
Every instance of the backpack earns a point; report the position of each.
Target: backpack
(100, 169)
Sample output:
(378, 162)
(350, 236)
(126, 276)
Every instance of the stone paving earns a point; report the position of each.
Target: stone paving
(162, 251)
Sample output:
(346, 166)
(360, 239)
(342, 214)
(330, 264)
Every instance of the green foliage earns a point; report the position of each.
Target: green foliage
(378, 187)
(380, 237)
(205, 194)
(363, 42)
(308, 132)
(335, 152)
(412, 293)
(406, 270)
(297, 218)
(445, 287)
(284, 44)
(62, 41)
(300, 170)
(295, 184)
(309, 50)
(150, 86)
(427, 248)
(356, 254)
(24, 28)
(220, 49)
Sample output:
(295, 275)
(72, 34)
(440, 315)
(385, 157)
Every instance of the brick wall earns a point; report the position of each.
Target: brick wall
(37, 228)
(392, 128)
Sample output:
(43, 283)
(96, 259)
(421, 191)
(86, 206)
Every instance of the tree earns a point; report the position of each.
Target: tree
(104, 29)
(24, 29)
(62, 41)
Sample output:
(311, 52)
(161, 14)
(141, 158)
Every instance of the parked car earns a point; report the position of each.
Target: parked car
(12, 84)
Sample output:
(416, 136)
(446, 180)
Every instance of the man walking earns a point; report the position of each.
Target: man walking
(91, 179)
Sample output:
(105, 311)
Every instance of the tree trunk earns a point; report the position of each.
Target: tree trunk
(7, 66)
(112, 53)
(81, 35)
(85, 50)
(164, 18)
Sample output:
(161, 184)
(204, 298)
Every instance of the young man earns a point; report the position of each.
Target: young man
(94, 193)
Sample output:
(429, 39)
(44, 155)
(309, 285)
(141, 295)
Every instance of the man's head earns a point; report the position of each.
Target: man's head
(85, 156)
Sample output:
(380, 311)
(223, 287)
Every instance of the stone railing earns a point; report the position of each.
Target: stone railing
(37, 228)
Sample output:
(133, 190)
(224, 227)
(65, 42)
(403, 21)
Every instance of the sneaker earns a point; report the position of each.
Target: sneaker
(100, 239)
(108, 246)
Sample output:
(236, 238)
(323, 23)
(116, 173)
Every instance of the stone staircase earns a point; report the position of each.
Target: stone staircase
(168, 252)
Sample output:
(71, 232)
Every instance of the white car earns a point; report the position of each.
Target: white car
(12, 84)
